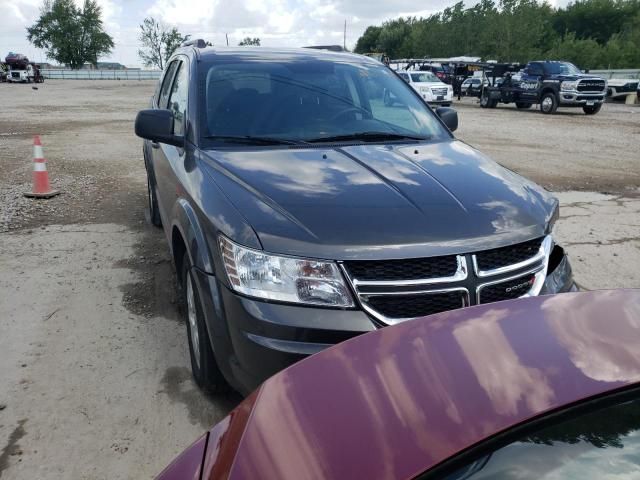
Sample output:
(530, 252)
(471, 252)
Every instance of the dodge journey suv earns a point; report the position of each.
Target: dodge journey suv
(301, 210)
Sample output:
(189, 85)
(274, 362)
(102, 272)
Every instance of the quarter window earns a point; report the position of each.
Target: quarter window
(166, 84)
(178, 99)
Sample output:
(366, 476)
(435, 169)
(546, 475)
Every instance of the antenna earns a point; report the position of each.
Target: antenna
(344, 42)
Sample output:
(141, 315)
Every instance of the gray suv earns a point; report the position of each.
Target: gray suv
(302, 210)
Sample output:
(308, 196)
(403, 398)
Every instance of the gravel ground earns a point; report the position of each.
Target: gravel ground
(94, 377)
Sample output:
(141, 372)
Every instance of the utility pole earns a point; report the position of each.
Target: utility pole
(344, 41)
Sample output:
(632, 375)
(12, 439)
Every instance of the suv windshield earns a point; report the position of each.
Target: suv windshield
(561, 68)
(309, 99)
(424, 77)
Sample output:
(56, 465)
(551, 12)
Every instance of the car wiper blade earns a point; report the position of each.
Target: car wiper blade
(251, 140)
(367, 136)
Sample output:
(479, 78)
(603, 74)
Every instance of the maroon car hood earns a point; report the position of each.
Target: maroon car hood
(393, 403)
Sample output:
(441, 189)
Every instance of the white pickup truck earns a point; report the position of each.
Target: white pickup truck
(429, 87)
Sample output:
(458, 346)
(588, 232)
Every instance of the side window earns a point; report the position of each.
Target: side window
(178, 98)
(535, 69)
(166, 85)
(404, 76)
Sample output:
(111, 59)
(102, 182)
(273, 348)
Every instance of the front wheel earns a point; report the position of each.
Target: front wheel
(154, 212)
(549, 103)
(592, 109)
(204, 367)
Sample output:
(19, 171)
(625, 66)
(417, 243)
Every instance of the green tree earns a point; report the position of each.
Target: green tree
(158, 42)
(69, 34)
(248, 41)
(368, 42)
(591, 33)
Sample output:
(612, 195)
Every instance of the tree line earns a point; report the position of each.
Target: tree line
(590, 33)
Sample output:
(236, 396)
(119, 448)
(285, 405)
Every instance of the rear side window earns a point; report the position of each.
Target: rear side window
(178, 98)
(166, 85)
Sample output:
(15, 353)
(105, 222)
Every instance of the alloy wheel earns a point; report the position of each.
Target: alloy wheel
(193, 320)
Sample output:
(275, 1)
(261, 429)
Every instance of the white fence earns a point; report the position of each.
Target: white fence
(67, 74)
(622, 73)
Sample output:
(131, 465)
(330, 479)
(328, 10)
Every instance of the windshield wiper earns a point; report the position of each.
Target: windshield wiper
(368, 136)
(251, 140)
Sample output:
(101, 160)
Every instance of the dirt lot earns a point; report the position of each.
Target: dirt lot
(94, 373)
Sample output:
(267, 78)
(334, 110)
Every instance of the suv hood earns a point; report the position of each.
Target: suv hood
(380, 201)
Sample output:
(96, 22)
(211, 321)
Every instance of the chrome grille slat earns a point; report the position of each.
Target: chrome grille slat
(375, 296)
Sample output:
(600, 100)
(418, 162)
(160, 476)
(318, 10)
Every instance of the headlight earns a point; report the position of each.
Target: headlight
(425, 90)
(569, 85)
(286, 279)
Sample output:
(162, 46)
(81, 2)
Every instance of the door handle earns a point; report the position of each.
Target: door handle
(155, 145)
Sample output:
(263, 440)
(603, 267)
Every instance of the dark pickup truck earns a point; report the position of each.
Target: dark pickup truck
(550, 84)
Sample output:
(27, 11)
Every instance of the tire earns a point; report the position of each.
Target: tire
(484, 100)
(154, 212)
(204, 367)
(523, 105)
(549, 103)
(592, 110)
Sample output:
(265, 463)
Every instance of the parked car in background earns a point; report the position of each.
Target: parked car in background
(532, 389)
(441, 71)
(471, 87)
(301, 210)
(429, 87)
(619, 88)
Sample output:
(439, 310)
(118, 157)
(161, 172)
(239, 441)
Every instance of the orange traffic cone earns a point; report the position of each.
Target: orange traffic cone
(41, 187)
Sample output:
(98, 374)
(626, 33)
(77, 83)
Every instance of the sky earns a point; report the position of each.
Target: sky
(278, 23)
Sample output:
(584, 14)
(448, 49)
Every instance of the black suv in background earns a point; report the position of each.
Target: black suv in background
(301, 210)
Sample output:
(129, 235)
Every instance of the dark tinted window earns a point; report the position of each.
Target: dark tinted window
(310, 99)
(535, 69)
(178, 98)
(604, 444)
(166, 84)
(561, 68)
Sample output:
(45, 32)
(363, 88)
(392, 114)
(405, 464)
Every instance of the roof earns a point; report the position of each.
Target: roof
(398, 401)
(277, 54)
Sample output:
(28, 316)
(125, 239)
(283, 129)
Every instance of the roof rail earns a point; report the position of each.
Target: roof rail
(196, 42)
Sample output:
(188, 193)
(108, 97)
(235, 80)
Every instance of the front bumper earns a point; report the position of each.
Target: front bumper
(262, 338)
(580, 99)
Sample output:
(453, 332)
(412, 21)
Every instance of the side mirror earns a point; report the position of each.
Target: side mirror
(157, 126)
(449, 116)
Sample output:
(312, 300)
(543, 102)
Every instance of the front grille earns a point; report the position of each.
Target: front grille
(591, 86)
(412, 306)
(396, 290)
(507, 290)
(408, 269)
(439, 91)
(505, 256)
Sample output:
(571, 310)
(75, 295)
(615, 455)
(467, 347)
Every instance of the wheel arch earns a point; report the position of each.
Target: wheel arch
(187, 236)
